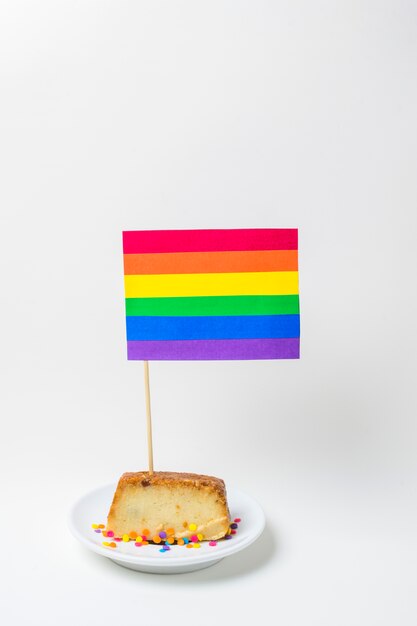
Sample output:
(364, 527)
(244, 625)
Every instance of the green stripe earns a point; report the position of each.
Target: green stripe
(214, 305)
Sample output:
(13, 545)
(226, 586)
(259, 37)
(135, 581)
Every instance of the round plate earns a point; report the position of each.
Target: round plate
(94, 506)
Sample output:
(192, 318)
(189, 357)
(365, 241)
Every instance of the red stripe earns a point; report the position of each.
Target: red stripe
(143, 241)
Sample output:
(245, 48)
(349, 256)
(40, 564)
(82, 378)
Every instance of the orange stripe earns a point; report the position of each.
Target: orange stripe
(208, 262)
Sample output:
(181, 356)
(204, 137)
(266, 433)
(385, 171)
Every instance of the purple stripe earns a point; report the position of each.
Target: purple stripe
(213, 349)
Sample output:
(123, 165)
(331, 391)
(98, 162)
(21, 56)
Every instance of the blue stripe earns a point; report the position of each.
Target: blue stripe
(212, 327)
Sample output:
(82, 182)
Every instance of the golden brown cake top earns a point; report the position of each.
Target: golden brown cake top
(174, 479)
(168, 478)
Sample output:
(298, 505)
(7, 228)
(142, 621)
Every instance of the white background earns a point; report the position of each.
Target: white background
(187, 114)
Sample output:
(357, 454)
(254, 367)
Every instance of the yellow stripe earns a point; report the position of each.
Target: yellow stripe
(216, 284)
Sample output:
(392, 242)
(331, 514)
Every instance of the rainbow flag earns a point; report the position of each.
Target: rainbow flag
(212, 294)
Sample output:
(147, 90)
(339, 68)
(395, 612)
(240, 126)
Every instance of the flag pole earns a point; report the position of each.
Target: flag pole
(148, 416)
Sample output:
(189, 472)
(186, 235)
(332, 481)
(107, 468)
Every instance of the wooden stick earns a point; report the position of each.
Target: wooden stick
(148, 417)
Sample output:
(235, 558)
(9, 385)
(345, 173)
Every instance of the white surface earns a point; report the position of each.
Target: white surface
(190, 114)
(96, 504)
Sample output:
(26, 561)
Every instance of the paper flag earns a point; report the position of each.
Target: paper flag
(212, 294)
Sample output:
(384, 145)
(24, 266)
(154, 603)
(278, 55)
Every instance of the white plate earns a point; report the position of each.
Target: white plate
(93, 508)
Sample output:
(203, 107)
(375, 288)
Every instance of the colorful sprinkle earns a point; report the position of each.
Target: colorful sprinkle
(164, 537)
(184, 524)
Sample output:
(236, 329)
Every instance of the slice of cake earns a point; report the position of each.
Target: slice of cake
(179, 504)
